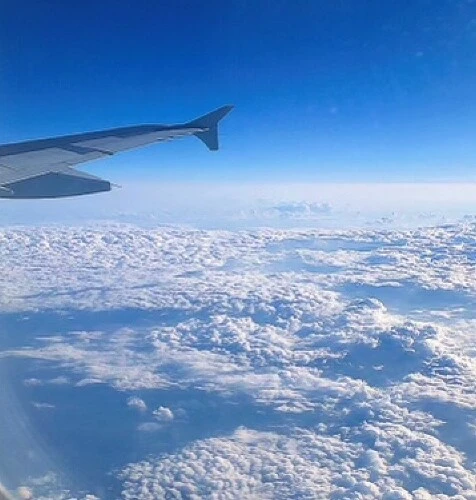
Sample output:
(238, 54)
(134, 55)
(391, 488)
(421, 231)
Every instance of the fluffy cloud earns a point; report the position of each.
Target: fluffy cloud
(137, 403)
(163, 414)
(358, 346)
(299, 210)
(301, 464)
(49, 487)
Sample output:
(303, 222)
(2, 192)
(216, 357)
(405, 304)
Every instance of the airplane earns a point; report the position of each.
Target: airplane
(44, 168)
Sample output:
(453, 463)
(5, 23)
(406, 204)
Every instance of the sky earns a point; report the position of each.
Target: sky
(340, 91)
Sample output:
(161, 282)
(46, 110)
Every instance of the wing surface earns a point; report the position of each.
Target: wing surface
(47, 160)
(54, 154)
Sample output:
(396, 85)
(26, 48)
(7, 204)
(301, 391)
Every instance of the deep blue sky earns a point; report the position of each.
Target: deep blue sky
(324, 90)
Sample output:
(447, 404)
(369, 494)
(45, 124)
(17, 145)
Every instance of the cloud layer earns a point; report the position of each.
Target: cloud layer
(352, 351)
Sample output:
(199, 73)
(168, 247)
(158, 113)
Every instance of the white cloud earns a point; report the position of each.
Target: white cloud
(60, 380)
(163, 414)
(41, 406)
(295, 210)
(35, 382)
(24, 493)
(137, 403)
(49, 487)
(362, 366)
(303, 464)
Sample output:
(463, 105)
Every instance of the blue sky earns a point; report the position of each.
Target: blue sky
(324, 91)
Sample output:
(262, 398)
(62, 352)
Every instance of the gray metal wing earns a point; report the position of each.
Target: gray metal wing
(43, 168)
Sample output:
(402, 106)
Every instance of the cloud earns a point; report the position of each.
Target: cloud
(292, 210)
(24, 493)
(32, 382)
(302, 464)
(149, 427)
(163, 414)
(49, 487)
(125, 256)
(353, 350)
(137, 403)
(60, 380)
(35, 382)
(41, 406)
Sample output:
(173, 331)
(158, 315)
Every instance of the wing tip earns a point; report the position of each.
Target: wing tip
(209, 122)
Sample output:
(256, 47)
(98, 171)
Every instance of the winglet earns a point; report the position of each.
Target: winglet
(210, 123)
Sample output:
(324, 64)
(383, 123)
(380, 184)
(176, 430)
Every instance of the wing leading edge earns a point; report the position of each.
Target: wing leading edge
(44, 168)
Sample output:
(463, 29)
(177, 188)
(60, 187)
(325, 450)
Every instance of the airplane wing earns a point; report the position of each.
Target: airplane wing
(44, 168)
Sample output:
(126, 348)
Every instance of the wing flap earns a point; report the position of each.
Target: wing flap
(46, 159)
